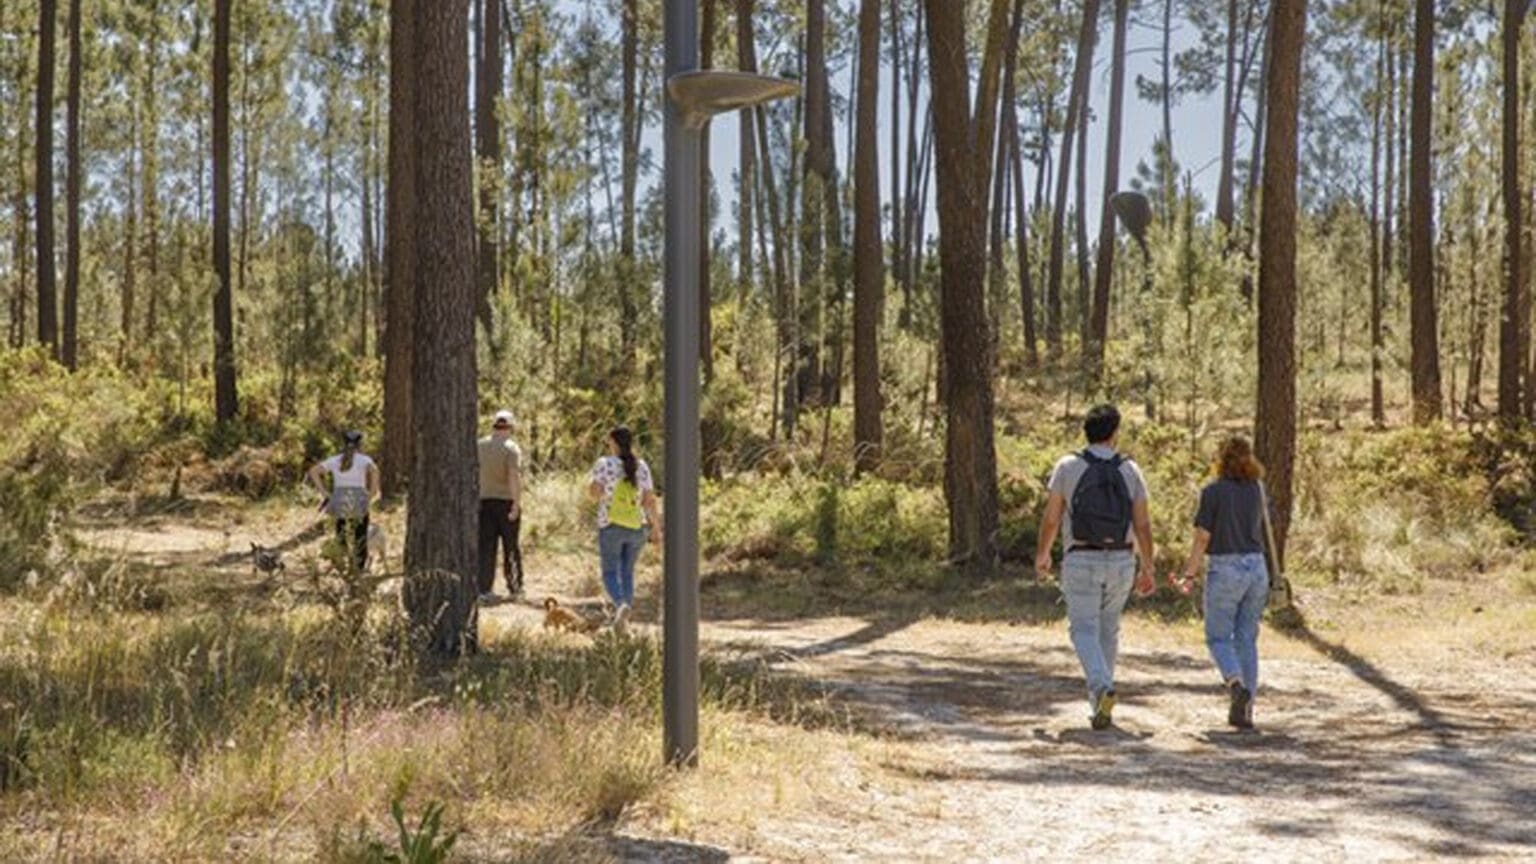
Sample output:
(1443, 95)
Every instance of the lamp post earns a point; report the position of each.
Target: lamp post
(1134, 211)
(693, 97)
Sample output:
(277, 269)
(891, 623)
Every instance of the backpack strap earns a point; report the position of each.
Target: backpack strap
(1116, 460)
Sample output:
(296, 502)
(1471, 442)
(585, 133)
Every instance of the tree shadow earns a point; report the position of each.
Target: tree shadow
(309, 534)
(1414, 758)
(1430, 719)
(600, 843)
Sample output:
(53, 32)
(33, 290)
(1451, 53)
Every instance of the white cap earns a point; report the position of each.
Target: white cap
(503, 416)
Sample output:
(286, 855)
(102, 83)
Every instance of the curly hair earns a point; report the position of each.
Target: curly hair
(1237, 461)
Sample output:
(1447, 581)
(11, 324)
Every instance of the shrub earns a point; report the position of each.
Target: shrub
(867, 520)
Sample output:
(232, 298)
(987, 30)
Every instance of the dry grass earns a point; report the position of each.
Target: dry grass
(197, 736)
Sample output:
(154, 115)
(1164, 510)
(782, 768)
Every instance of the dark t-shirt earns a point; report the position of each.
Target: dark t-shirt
(1230, 510)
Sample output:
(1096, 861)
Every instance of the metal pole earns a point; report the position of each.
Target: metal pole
(680, 664)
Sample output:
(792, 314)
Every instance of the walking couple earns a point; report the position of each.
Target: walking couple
(620, 483)
(1098, 504)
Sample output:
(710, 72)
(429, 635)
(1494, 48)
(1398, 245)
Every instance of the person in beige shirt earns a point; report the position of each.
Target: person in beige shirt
(501, 513)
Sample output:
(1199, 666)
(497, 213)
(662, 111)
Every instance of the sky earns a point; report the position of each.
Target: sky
(1196, 129)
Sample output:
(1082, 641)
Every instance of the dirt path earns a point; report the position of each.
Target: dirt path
(1411, 755)
(1354, 761)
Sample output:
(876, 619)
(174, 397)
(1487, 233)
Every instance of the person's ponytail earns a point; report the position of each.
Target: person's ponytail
(624, 439)
(350, 444)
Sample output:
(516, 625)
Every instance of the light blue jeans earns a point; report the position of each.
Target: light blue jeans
(1236, 590)
(1096, 585)
(617, 550)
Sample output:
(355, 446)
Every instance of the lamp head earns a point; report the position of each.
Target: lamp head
(701, 95)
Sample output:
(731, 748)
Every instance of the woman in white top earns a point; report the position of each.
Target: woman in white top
(621, 485)
(354, 482)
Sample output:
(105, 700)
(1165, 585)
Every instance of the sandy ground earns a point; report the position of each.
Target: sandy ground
(1404, 750)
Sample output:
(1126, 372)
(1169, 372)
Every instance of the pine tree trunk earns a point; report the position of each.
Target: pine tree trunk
(1021, 227)
(226, 401)
(488, 84)
(1275, 425)
(816, 174)
(1255, 159)
(868, 254)
(151, 197)
(19, 241)
(1077, 101)
(1389, 180)
(963, 152)
(630, 170)
(747, 146)
(1514, 318)
(72, 181)
(706, 289)
(1104, 273)
(440, 534)
(1080, 229)
(399, 252)
(895, 151)
(1424, 325)
(130, 240)
(1230, 99)
(42, 177)
(911, 230)
(1166, 160)
(1378, 407)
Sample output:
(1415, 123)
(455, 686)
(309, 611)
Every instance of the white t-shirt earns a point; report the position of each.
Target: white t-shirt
(357, 478)
(607, 472)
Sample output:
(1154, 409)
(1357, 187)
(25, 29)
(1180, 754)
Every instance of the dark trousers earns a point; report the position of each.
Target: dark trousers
(495, 526)
(352, 533)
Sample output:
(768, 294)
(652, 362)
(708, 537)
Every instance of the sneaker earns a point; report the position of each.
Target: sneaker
(1240, 711)
(488, 598)
(1103, 711)
(621, 619)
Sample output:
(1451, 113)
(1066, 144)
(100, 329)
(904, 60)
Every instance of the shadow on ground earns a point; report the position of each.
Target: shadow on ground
(1432, 762)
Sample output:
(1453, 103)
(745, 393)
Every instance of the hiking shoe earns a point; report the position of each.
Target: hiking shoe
(621, 619)
(1103, 711)
(1240, 710)
(488, 598)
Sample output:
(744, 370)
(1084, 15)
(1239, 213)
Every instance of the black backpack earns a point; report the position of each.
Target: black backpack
(1101, 504)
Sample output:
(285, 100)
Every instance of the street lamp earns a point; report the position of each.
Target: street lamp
(1135, 212)
(694, 97)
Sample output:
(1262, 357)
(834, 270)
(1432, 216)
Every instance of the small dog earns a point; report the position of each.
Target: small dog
(378, 545)
(557, 617)
(266, 559)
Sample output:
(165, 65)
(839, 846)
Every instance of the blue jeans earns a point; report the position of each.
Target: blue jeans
(617, 550)
(1236, 590)
(1096, 585)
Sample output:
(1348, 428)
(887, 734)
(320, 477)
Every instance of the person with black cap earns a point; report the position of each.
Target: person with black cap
(501, 512)
(354, 483)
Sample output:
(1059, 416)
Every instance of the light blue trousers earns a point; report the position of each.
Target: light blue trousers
(1096, 585)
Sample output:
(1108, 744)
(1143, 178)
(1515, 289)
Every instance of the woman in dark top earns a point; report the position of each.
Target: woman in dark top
(1229, 533)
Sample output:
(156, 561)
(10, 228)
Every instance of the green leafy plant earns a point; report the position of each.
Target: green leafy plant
(425, 845)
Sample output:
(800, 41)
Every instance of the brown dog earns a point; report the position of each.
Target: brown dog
(557, 617)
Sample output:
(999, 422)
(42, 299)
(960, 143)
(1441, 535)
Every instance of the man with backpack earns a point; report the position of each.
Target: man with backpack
(1098, 502)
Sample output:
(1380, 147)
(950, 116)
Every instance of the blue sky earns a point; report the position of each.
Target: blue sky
(1196, 128)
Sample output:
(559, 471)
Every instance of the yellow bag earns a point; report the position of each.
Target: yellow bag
(624, 510)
